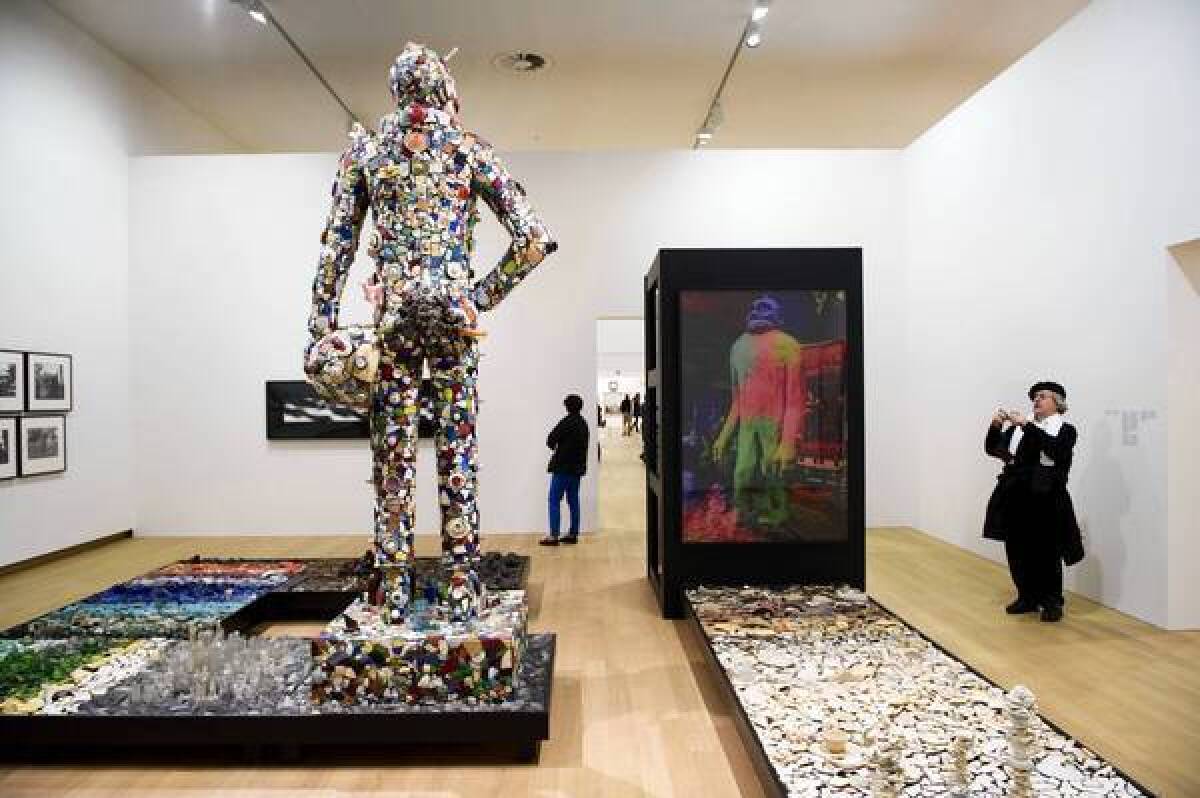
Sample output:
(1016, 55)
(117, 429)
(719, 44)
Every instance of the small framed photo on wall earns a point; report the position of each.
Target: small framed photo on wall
(42, 445)
(8, 448)
(12, 381)
(47, 383)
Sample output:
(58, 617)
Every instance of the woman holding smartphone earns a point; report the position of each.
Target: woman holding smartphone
(1030, 509)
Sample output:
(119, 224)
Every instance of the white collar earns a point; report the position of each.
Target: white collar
(1051, 423)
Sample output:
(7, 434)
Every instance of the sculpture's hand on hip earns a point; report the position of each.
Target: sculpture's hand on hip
(464, 308)
(373, 292)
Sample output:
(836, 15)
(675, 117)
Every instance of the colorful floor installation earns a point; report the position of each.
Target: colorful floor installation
(842, 698)
(179, 642)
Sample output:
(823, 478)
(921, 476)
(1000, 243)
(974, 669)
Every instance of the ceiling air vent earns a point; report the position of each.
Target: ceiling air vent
(522, 63)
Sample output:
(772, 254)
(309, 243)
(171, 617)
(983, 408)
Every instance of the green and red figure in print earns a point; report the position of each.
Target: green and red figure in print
(765, 411)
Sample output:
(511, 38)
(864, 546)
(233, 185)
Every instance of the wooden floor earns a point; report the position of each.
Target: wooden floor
(633, 715)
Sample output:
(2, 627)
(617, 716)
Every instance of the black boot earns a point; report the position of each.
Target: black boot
(1052, 613)
(1021, 606)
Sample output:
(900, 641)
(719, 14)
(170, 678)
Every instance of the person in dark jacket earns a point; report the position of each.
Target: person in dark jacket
(568, 464)
(1030, 509)
(626, 415)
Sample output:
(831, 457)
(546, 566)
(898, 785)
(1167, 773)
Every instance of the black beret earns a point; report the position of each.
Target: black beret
(1048, 386)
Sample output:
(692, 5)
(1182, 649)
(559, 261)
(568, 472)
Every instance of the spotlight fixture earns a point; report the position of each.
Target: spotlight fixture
(754, 35)
(712, 122)
(254, 8)
(261, 14)
(751, 36)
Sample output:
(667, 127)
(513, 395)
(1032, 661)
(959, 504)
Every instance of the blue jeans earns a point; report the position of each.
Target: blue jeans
(560, 484)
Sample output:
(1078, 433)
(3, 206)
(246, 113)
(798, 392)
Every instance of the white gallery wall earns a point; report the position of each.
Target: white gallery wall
(1040, 213)
(72, 113)
(221, 268)
(1182, 270)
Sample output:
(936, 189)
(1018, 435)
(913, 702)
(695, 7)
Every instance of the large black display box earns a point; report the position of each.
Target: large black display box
(754, 419)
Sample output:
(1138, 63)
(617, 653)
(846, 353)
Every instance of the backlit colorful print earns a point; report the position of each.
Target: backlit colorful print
(421, 177)
(763, 416)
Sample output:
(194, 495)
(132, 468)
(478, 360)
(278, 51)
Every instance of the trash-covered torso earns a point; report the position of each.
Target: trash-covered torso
(419, 171)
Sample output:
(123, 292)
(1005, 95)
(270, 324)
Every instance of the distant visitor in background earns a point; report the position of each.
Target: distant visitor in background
(1030, 509)
(568, 464)
(637, 412)
(600, 424)
(626, 415)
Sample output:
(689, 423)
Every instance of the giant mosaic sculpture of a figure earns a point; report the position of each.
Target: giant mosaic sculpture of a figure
(420, 176)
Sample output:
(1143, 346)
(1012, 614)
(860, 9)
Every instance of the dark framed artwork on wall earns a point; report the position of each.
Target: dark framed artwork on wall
(12, 381)
(754, 419)
(42, 445)
(48, 383)
(8, 447)
(296, 412)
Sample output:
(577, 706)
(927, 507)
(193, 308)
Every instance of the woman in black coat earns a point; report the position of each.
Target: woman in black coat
(1030, 509)
(568, 464)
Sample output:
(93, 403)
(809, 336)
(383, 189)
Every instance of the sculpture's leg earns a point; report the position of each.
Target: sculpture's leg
(394, 443)
(454, 381)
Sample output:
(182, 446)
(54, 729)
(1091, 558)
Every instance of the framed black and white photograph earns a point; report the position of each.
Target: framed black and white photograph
(8, 448)
(42, 445)
(47, 383)
(12, 381)
(296, 412)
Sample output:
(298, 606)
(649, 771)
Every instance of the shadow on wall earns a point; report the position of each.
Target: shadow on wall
(1101, 503)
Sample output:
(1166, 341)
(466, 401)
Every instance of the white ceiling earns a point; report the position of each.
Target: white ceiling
(625, 74)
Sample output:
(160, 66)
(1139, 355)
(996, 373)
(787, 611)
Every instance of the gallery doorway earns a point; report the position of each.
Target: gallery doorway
(620, 375)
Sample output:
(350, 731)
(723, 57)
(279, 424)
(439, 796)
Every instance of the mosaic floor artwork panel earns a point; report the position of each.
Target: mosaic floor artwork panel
(845, 699)
(160, 646)
(165, 602)
(157, 677)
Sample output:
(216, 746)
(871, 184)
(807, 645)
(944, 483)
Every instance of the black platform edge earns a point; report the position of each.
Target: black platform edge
(29, 735)
(767, 775)
(294, 606)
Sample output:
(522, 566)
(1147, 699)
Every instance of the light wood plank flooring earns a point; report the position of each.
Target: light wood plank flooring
(634, 714)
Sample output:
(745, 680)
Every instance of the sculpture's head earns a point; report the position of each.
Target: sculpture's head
(419, 75)
(766, 313)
